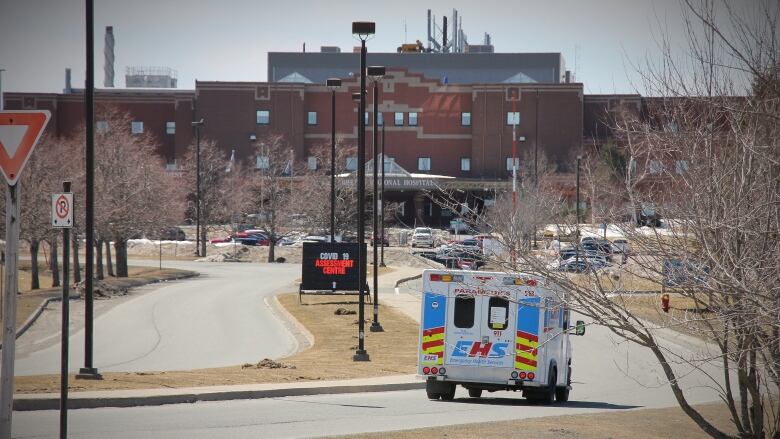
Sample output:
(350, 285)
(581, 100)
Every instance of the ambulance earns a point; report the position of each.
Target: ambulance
(489, 331)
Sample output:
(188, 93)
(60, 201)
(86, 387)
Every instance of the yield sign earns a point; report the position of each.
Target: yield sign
(19, 132)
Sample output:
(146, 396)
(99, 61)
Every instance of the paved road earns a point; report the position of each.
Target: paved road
(218, 319)
(608, 376)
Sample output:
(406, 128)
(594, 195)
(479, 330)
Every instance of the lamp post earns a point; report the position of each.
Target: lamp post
(382, 201)
(89, 371)
(362, 29)
(333, 84)
(198, 244)
(376, 73)
(577, 244)
(1, 89)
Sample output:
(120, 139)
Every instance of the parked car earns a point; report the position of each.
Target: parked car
(471, 243)
(316, 238)
(422, 237)
(573, 266)
(684, 273)
(221, 240)
(285, 241)
(252, 240)
(621, 245)
(384, 242)
(173, 234)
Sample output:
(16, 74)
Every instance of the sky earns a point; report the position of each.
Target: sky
(602, 41)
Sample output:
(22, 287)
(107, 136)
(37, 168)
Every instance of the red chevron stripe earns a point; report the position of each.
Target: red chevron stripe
(528, 336)
(433, 331)
(431, 344)
(525, 361)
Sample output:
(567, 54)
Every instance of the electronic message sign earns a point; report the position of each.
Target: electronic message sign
(330, 266)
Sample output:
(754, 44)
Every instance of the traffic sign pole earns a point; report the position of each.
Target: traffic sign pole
(19, 132)
(65, 314)
(13, 211)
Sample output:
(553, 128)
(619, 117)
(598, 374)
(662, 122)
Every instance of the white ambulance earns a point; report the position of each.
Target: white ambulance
(495, 331)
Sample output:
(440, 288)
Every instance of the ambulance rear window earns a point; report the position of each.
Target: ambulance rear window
(498, 313)
(464, 312)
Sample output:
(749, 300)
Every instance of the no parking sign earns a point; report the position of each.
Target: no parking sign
(62, 210)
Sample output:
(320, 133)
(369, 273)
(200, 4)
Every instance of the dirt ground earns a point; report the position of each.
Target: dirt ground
(393, 352)
(634, 424)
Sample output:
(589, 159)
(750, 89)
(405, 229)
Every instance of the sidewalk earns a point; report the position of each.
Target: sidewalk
(400, 298)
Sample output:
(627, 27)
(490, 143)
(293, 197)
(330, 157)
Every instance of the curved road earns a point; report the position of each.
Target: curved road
(609, 376)
(220, 318)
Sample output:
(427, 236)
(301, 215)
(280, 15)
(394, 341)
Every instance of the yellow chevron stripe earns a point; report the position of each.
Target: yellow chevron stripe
(523, 366)
(527, 342)
(434, 349)
(526, 355)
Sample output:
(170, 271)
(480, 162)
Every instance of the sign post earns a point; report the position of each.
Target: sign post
(19, 132)
(62, 218)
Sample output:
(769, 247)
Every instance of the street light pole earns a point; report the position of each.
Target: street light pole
(382, 201)
(198, 243)
(1, 89)
(376, 73)
(577, 244)
(88, 371)
(333, 84)
(362, 30)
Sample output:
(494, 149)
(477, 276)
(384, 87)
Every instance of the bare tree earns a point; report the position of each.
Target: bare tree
(221, 183)
(313, 191)
(271, 187)
(134, 195)
(709, 163)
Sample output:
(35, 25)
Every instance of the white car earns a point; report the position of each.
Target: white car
(621, 245)
(423, 236)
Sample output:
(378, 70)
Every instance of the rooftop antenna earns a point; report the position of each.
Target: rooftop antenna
(576, 57)
(405, 40)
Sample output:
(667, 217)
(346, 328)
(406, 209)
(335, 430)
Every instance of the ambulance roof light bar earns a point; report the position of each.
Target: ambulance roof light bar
(446, 277)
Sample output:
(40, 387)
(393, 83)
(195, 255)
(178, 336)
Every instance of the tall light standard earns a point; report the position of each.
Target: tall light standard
(362, 29)
(1, 89)
(382, 201)
(333, 84)
(577, 244)
(88, 371)
(376, 73)
(198, 244)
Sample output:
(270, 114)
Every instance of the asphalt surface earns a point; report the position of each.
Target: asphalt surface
(220, 318)
(608, 375)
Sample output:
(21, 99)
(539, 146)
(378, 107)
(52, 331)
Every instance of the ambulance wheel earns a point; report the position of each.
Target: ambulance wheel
(430, 391)
(562, 393)
(449, 395)
(548, 397)
(475, 393)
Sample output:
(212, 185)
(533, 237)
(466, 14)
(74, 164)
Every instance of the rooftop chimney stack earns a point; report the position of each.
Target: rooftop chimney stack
(444, 35)
(108, 53)
(68, 89)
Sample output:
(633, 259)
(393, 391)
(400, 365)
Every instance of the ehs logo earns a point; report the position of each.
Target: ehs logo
(468, 348)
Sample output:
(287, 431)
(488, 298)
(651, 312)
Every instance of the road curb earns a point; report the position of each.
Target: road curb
(76, 402)
(303, 332)
(407, 279)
